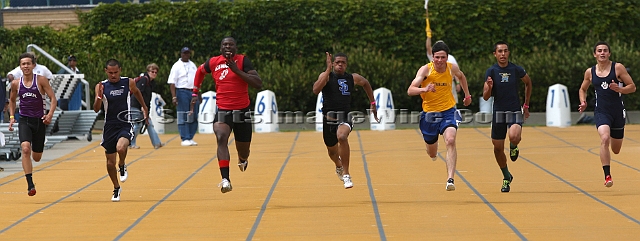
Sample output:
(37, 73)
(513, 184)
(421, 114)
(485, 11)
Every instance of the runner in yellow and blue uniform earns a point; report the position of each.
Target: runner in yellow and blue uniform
(439, 115)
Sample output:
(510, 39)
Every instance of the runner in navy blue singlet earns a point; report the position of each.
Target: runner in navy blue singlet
(114, 95)
(610, 81)
(336, 87)
(30, 88)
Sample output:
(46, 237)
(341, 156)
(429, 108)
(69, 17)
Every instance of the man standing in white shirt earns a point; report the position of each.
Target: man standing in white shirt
(39, 70)
(181, 79)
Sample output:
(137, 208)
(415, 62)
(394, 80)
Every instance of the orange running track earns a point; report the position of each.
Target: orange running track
(290, 191)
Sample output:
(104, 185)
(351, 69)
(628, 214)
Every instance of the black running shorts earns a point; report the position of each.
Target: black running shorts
(112, 133)
(239, 121)
(32, 130)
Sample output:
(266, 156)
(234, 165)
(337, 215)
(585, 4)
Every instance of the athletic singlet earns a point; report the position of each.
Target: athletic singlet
(232, 92)
(442, 99)
(116, 99)
(606, 99)
(31, 100)
(336, 94)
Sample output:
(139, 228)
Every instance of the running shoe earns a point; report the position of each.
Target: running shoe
(32, 191)
(116, 194)
(450, 185)
(347, 181)
(607, 181)
(339, 171)
(514, 152)
(243, 165)
(506, 184)
(123, 173)
(225, 186)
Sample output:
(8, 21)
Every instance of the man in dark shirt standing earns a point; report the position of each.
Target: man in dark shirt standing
(145, 83)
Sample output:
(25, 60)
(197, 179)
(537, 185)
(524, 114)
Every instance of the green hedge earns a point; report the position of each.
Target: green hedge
(561, 64)
(268, 30)
(383, 38)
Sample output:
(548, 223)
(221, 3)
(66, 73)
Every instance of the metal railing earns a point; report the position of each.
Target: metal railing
(87, 100)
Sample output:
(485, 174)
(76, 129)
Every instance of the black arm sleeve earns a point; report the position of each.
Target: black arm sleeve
(247, 65)
(206, 66)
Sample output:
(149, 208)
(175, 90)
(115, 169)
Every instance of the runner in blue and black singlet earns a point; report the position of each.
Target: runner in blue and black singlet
(113, 94)
(610, 81)
(609, 109)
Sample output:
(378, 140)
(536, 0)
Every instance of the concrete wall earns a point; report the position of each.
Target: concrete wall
(55, 17)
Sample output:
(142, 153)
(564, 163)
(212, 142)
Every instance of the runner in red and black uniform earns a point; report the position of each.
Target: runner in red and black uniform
(233, 73)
